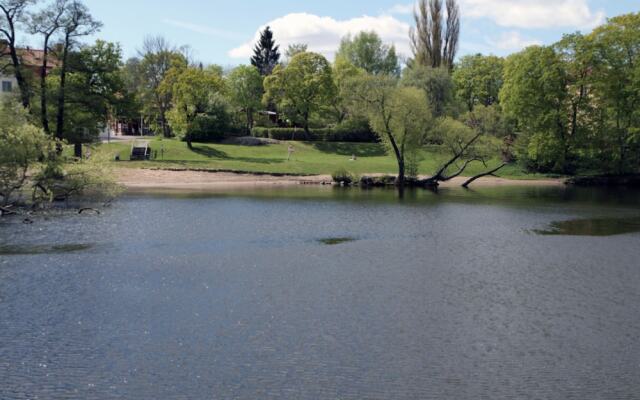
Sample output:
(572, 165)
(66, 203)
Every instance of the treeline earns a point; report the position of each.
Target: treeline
(572, 107)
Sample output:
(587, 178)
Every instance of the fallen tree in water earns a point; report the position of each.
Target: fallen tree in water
(33, 174)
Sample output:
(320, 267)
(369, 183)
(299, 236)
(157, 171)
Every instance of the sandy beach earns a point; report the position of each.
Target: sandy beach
(140, 179)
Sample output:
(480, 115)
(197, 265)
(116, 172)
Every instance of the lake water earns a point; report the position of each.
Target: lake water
(317, 293)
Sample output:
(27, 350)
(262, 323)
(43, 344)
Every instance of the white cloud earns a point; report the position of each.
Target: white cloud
(511, 41)
(526, 13)
(534, 13)
(205, 30)
(402, 9)
(323, 34)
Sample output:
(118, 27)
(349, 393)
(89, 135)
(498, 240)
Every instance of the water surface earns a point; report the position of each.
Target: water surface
(313, 293)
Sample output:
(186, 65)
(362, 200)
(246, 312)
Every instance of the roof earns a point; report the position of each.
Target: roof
(31, 57)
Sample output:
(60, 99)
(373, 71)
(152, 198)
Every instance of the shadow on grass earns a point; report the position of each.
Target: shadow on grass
(211, 152)
(349, 149)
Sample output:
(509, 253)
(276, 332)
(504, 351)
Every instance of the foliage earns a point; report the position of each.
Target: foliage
(366, 51)
(436, 83)
(196, 104)
(245, 90)
(58, 180)
(294, 49)
(158, 57)
(94, 89)
(22, 145)
(344, 177)
(266, 54)
(536, 95)
(397, 115)
(304, 86)
(478, 80)
(616, 83)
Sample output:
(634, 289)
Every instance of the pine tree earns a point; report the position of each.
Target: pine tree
(266, 54)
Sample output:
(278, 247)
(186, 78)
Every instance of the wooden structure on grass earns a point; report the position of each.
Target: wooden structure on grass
(140, 151)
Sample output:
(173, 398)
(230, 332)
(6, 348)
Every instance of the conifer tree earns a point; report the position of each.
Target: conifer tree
(266, 54)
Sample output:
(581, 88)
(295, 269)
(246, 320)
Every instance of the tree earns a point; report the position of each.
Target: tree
(47, 23)
(616, 84)
(12, 13)
(344, 73)
(78, 22)
(195, 94)
(158, 56)
(437, 86)
(21, 147)
(367, 51)
(245, 90)
(94, 87)
(295, 49)
(302, 87)
(538, 95)
(435, 42)
(478, 80)
(397, 115)
(266, 55)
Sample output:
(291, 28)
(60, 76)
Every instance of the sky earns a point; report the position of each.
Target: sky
(223, 32)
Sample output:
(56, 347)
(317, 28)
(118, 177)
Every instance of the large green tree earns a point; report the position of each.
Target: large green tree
(245, 90)
(616, 85)
(194, 92)
(301, 88)
(94, 87)
(536, 95)
(478, 80)
(367, 51)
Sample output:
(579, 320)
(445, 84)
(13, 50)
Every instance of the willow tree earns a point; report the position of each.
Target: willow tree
(435, 38)
(397, 115)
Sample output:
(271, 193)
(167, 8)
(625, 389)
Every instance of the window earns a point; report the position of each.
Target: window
(7, 86)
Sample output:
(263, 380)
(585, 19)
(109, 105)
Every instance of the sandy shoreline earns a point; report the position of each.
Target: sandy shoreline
(141, 179)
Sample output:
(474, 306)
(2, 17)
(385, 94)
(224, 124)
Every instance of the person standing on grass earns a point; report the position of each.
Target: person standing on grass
(291, 150)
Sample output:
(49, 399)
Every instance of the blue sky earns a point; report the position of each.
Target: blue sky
(222, 32)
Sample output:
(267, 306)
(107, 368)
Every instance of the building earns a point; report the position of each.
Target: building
(31, 60)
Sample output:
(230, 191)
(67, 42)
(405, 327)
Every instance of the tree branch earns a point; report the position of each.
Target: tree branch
(490, 173)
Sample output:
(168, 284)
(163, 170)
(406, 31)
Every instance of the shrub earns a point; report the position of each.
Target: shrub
(344, 177)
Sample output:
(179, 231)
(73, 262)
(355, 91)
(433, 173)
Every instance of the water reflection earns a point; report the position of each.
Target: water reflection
(593, 227)
(17, 250)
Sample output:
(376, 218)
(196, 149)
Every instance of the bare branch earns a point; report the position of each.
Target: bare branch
(490, 173)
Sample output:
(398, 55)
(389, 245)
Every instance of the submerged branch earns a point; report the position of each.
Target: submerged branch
(489, 173)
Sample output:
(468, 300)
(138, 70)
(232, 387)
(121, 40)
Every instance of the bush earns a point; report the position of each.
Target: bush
(344, 177)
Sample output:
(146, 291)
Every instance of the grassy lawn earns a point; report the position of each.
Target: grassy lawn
(310, 158)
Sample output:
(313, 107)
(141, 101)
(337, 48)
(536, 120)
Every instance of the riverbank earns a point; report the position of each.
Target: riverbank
(141, 179)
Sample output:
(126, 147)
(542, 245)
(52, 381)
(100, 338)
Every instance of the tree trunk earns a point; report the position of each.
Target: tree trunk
(249, 122)
(43, 88)
(61, 90)
(77, 150)
(22, 83)
(189, 143)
